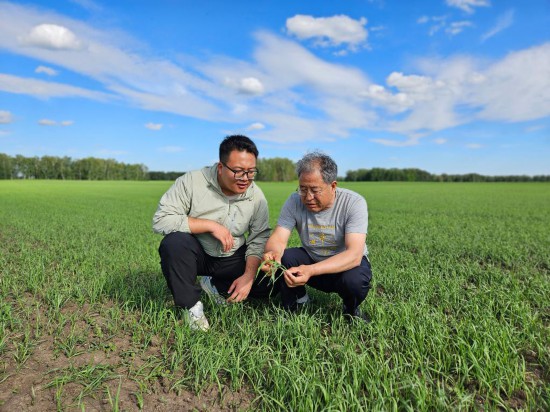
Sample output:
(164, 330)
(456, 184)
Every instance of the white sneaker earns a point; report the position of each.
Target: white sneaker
(211, 291)
(196, 319)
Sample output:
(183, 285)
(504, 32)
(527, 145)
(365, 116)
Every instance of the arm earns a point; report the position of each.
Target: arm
(350, 258)
(240, 288)
(220, 232)
(172, 214)
(275, 246)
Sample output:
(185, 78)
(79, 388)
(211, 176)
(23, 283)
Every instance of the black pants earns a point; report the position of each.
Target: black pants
(182, 259)
(351, 285)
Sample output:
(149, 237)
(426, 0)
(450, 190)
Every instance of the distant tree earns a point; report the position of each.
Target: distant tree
(276, 169)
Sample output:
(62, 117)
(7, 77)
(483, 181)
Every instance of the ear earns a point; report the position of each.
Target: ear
(334, 184)
(220, 167)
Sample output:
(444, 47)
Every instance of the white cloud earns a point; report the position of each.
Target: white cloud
(88, 5)
(474, 146)
(440, 141)
(422, 19)
(412, 141)
(468, 5)
(457, 27)
(299, 95)
(516, 88)
(46, 70)
(43, 89)
(250, 86)
(47, 122)
(170, 149)
(52, 36)
(154, 126)
(329, 31)
(256, 126)
(504, 21)
(5, 117)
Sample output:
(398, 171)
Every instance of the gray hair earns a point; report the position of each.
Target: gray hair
(318, 161)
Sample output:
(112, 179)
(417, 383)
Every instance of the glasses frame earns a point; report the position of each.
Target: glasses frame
(243, 172)
(308, 191)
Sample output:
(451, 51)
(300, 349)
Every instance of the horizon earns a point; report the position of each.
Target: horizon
(445, 86)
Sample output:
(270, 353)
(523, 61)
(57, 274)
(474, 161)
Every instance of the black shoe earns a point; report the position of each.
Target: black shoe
(357, 314)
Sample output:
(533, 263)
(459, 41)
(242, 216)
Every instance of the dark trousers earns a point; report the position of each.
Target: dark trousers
(182, 259)
(351, 285)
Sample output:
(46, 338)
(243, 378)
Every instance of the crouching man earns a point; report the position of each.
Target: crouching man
(332, 225)
(204, 218)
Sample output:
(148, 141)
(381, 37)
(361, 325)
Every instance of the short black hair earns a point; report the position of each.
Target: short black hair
(236, 142)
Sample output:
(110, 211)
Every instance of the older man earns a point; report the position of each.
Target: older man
(332, 225)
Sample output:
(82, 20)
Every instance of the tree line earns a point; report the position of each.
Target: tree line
(378, 174)
(52, 167)
(275, 169)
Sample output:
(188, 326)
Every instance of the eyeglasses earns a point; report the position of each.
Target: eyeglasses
(240, 174)
(316, 191)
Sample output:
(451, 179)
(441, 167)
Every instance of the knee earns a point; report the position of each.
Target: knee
(357, 280)
(294, 257)
(174, 243)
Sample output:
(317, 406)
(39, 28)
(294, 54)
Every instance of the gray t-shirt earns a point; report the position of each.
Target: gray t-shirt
(323, 233)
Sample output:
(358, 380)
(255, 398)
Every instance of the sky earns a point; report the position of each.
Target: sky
(447, 86)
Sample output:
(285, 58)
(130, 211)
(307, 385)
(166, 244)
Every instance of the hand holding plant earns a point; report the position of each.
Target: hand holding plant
(271, 266)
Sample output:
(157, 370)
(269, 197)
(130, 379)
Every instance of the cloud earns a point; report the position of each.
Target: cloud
(523, 75)
(46, 70)
(251, 85)
(5, 117)
(457, 27)
(440, 141)
(248, 85)
(49, 122)
(300, 96)
(329, 31)
(468, 5)
(440, 23)
(170, 149)
(423, 19)
(255, 126)
(474, 146)
(43, 89)
(504, 21)
(88, 5)
(52, 36)
(154, 126)
(412, 141)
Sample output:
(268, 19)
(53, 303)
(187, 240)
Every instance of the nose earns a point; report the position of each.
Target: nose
(309, 193)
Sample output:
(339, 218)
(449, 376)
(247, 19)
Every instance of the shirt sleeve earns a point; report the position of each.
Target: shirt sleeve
(173, 209)
(288, 218)
(259, 229)
(358, 216)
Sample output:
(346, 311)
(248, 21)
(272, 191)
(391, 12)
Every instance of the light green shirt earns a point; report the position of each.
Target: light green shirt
(198, 194)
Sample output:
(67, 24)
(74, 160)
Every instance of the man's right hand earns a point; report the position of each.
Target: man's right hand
(223, 234)
(267, 260)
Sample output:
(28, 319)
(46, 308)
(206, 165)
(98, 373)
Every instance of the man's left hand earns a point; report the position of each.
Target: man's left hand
(297, 276)
(240, 288)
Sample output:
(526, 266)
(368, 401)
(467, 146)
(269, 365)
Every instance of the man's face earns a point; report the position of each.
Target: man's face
(315, 194)
(236, 162)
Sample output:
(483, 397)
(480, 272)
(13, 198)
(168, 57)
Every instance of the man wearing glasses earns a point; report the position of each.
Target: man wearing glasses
(332, 225)
(204, 218)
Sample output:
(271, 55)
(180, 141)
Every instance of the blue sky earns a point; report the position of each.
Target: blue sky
(448, 86)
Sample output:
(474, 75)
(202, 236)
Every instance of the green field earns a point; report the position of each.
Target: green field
(460, 307)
